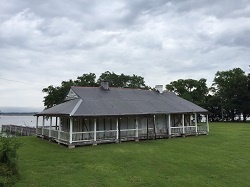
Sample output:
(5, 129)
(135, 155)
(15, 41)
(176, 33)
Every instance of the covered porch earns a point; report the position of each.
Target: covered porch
(77, 131)
(188, 124)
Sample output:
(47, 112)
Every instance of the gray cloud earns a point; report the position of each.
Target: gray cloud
(46, 42)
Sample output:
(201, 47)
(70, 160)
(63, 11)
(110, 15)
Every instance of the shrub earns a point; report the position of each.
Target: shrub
(8, 159)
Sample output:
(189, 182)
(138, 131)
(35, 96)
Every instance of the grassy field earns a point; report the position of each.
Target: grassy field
(220, 159)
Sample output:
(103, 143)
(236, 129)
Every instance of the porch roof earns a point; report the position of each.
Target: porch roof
(94, 101)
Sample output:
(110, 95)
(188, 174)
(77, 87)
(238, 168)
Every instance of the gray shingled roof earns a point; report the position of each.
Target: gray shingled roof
(94, 101)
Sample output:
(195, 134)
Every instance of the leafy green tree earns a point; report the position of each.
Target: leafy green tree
(114, 79)
(212, 104)
(137, 82)
(190, 89)
(231, 87)
(56, 95)
(246, 106)
(123, 81)
(86, 80)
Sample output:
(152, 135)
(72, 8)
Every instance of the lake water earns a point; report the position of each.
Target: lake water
(29, 121)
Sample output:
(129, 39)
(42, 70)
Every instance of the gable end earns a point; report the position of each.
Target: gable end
(71, 95)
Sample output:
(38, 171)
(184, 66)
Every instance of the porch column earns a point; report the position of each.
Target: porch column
(147, 128)
(94, 132)
(50, 124)
(70, 130)
(36, 124)
(56, 123)
(154, 126)
(137, 130)
(183, 124)
(169, 125)
(195, 121)
(117, 131)
(207, 125)
(59, 130)
(43, 124)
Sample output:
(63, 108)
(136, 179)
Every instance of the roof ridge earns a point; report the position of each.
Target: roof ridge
(76, 107)
(113, 88)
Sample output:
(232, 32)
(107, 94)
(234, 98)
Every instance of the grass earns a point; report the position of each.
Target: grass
(220, 159)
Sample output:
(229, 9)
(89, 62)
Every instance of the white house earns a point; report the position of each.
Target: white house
(94, 115)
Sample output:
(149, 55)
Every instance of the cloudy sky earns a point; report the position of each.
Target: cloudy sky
(43, 43)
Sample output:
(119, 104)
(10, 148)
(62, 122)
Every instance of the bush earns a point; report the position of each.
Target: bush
(8, 159)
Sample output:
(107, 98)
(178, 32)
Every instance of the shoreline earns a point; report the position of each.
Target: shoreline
(18, 114)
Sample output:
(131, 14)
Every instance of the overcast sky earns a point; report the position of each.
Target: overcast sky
(43, 43)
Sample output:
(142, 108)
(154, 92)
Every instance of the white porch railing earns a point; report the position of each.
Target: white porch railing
(54, 133)
(82, 136)
(176, 130)
(88, 136)
(64, 136)
(46, 132)
(39, 130)
(202, 128)
(103, 134)
(190, 129)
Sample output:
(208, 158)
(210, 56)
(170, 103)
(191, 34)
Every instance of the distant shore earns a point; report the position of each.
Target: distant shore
(17, 113)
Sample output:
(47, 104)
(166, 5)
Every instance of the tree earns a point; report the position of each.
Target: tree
(123, 81)
(137, 82)
(231, 87)
(56, 95)
(114, 79)
(212, 104)
(86, 80)
(192, 90)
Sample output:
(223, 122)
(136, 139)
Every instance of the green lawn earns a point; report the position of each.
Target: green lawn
(220, 159)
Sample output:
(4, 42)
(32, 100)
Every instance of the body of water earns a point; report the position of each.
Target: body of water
(29, 121)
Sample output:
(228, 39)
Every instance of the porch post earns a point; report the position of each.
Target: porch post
(36, 124)
(195, 121)
(154, 126)
(50, 124)
(207, 125)
(70, 130)
(94, 132)
(147, 128)
(56, 123)
(169, 125)
(43, 124)
(59, 130)
(183, 124)
(137, 130)
(117, 130)
(104, 127)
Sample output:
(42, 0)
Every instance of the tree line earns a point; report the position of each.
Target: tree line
(227, 99)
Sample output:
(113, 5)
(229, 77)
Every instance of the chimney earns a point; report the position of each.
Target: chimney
(159, 88)
(105, 85)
